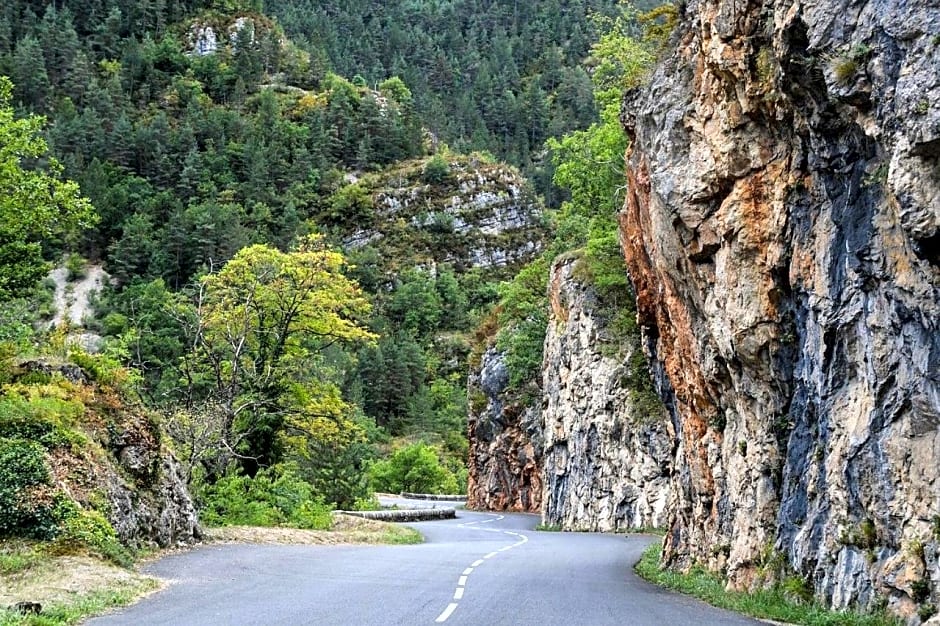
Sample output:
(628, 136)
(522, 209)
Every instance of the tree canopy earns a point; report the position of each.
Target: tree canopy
(36, 205)
(259, 326)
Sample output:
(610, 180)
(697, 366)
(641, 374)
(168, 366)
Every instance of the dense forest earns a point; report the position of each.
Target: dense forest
(238, 162)
(500, 76)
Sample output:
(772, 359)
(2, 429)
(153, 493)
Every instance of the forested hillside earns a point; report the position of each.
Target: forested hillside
(298, 260)
(496, 75)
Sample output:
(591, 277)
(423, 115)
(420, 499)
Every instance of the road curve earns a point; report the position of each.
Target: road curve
(478, 569)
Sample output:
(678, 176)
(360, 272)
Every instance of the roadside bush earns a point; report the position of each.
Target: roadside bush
(80, 529)
(276, 496)
(415, 468)
(25, 494)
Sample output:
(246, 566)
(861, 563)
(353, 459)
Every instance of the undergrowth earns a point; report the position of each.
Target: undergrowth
(275, 496)
(776, 603)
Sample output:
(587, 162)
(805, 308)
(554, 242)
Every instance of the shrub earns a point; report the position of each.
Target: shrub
(114, 324)
(275, 496)
(368, 503)
(436, 170)
(102, 368)
(25, 495)
(351, 205)
(76, 267)
(415, 468)
(311, 514)
(844, 69)
(79, 530)
(523, 319)
(41, 419)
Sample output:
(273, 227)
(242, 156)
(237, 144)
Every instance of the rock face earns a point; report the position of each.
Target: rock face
(213, 33)
(505, 472)
(106, 454)
(587, 449)
(608, 454)
(149, 501)
(475, 214)
(782, 231)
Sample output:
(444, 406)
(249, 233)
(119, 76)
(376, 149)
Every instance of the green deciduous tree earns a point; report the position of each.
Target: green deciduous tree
(415, 468)
(35, 204)
(260, 325)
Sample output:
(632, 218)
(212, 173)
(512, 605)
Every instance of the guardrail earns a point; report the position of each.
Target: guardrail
(433, 496)
(405, 515)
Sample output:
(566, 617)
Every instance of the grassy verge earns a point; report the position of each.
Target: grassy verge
(776, 603)
(549, 528)
(82, 605)
(343, 529)
(68, 588)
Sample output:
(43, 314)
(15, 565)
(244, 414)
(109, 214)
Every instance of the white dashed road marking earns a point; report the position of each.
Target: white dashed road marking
(447, 612)
(462, 581)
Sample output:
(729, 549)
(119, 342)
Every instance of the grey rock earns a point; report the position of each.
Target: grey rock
(488, 214)
(505, 469)
(782, 230)
(608, 458)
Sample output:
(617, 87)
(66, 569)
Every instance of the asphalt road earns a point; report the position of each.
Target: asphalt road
(480, 569)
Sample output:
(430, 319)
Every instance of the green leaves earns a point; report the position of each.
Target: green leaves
(276, 496)
(34, 203)
(415, 469)
(589, 164)
(276, 302)
(23, 467)
(261, 324)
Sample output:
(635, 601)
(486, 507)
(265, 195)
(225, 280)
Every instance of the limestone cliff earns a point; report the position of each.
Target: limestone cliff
(782, 231)
(587, 445)
(608, 448)
(459, 210)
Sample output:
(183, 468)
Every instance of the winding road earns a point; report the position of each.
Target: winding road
(478, 569)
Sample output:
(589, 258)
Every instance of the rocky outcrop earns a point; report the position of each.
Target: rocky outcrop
(99, 449)
(504, 432)
(782, 230)
(608, 446)
(214, 32)
(469, 213)
(149, 502)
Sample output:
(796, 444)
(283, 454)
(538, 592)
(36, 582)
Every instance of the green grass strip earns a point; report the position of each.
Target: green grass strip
(92, 604)
(774, 603)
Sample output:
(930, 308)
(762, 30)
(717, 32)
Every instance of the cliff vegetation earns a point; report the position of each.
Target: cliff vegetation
(288, 261)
